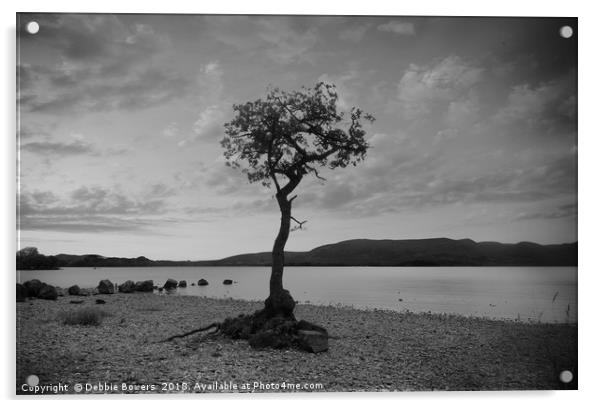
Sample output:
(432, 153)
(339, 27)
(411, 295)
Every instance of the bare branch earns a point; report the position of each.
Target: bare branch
(315, 171)
(300, 224)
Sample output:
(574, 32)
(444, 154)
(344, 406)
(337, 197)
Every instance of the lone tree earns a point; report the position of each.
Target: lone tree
(277, 141)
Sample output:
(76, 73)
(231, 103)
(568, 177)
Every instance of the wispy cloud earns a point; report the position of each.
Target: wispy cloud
(421, 88)
(90, 208)
(354, 34)
(398, 27)
(74, 147)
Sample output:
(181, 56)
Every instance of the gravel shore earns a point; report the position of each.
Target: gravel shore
(371, 350)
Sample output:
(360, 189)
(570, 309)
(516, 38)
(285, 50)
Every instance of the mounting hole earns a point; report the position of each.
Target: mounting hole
(32, 380)
(566, 376)
(566, 31)
(32, 27)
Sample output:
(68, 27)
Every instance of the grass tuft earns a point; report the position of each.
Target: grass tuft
(89, 316)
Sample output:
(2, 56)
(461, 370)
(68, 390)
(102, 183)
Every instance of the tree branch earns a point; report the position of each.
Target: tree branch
(300, 223)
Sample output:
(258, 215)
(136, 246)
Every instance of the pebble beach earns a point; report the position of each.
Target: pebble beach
(369, 350)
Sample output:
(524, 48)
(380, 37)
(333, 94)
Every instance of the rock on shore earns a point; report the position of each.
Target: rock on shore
(144, 286)
(127, 287)
(170, 284)
(106, 287)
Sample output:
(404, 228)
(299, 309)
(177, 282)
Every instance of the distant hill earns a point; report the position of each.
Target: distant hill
(420, 252)
(366, 252)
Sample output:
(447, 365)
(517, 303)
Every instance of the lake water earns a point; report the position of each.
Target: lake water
(547, 294)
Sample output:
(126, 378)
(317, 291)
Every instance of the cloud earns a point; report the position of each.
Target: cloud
(75, 147)
(402, 175)
(99, 63)
(100, 38)
(464, 112)
(208, 127)
(210, 81)
(89, 209)
(424, 88)
(285, 45)
(562, 211)
(140, 89)
(354, 34)
(32, 130)
(209, 122)
(277, 38)
(398, 27)
(546, 104)
(172, 130)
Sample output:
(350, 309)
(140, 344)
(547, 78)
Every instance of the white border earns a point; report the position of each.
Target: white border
(590, 149)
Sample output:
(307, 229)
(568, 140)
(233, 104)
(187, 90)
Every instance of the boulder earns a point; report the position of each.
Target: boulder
(127, 287)
(171, 284)
(74, 290)
(182, 284)
(307, 326)
(227, 281)
(21, 293)
(48, 292)
(312, 341)
(192, 284)
(106, 287)
(33, 287)
(144, 286)
(60, 291)
(203, 282)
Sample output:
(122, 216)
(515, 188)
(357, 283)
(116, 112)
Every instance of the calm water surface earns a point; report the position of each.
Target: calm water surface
(547, 294)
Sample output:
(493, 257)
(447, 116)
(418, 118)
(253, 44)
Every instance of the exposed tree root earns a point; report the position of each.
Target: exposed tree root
(179, 336)
(263, 329)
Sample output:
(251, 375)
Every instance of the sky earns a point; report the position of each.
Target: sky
(120, 118)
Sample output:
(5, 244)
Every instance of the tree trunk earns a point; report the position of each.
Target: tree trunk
(280, 302)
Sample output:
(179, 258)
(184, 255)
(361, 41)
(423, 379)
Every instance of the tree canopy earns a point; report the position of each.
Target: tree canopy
(287, 135)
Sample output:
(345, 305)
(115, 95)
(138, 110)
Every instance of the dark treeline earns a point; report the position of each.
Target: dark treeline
(29, 258)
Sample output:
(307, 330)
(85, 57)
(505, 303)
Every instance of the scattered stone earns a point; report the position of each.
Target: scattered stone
(100, 302)
(21, 293)
(170, 284)
(192, 284)
(203, 282)
(48, 292)
(312, 341)
(144, 286)
(33, 287)
(182, 284)
(106, 287)
(74, 290)
(127, 287)
(160, 289)
(227, 281)
(76, 302)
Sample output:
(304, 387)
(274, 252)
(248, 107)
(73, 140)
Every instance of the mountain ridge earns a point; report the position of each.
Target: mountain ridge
(366, 252)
